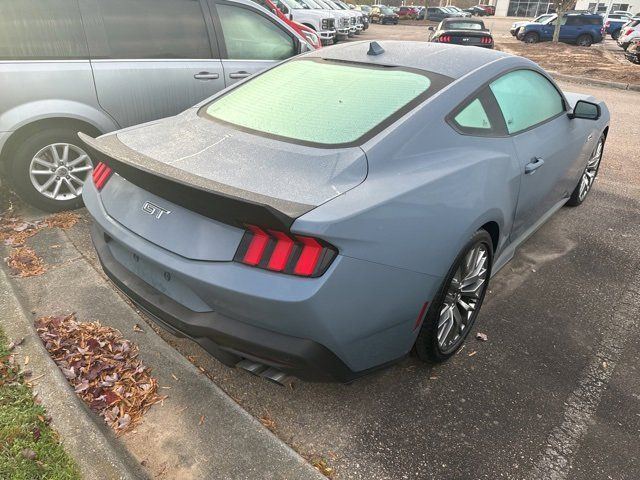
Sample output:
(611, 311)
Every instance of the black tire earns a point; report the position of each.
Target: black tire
(584, 40)
(615, 35)
(427, 347)
(531, 37)
(20, 164)
(576, 197)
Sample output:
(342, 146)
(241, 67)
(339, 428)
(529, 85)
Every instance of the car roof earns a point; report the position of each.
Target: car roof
(450, 60)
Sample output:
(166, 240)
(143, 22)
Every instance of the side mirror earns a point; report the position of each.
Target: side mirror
(586, 110)
(431, 29)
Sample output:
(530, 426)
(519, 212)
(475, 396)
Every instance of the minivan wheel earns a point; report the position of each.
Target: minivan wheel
(455, 308)
(584, 40)
(588, 175)
(531, 37)
(49, 168)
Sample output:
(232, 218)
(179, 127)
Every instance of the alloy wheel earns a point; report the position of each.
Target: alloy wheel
(59, 170)
(590, 171)
(461, 301)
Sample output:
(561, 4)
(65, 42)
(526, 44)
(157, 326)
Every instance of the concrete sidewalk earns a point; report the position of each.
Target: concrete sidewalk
(198, 431)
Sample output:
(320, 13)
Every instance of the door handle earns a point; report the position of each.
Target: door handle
(239, 75)
(206, 76)
(533, 165)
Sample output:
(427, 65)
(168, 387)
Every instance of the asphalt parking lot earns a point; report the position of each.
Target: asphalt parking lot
(554, 393)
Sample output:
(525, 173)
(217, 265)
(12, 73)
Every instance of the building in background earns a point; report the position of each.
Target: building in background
(533, 8)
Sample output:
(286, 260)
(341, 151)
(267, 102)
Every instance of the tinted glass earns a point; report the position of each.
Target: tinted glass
(526, 98)
(473, 116)
(339, 111)
(154, 29)
(248, 35)
(39, 29)
(573, 21)
(464, 26)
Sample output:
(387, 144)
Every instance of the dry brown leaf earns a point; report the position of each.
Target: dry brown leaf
(24, 262)
(268, 422)
(103, 368)
(201, 420)
(62, 220)
(322, 465)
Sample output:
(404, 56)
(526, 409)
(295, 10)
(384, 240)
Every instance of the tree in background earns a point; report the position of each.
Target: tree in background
(561, 7)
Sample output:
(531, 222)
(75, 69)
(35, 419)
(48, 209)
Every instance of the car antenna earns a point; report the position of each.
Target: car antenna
(375, 49)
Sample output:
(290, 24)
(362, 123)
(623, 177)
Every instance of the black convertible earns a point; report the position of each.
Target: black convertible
(460, 31)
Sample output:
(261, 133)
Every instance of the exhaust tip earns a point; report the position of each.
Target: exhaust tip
(275, 376)
(254, 368)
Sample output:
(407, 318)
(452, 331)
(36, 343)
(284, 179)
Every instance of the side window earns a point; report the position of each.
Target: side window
(154, 29)
(526, 98)
(33, 29)
(250, 36)
(473, 117)
(573, 21)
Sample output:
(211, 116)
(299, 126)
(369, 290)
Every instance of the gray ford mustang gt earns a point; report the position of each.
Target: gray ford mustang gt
(325, 217)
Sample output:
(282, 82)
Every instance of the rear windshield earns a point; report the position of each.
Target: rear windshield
(464, 26)
(344, 104)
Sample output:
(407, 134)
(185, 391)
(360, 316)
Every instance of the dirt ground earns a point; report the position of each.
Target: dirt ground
(592, 62)
(602, 61)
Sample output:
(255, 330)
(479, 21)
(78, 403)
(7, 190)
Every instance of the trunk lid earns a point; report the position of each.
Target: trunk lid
(214, 179)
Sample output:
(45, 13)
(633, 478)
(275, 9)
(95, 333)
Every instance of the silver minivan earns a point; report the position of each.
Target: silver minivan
(100, 65)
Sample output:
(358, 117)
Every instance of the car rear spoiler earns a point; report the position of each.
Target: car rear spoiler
(209, 198)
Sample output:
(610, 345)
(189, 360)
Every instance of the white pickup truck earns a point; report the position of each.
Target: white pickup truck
(343, 19)
(321, 21)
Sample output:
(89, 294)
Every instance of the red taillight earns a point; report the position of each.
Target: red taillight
(607, 24)
(308, 257)
(445, 39)
(101, 174)
(284, 252)
(485, 40)
(259, 242)
(628, 32)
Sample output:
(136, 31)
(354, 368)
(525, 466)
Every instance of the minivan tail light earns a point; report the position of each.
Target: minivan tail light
(285, 252)
(101, 173)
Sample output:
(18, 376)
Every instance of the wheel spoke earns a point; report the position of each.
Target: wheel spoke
(56, 189)
(70, 185)
(83, 169)
(43, 162)
(65, 153)
(47, 184)
(54, 154)
(76, 161)
(42, 172)
(76, 179)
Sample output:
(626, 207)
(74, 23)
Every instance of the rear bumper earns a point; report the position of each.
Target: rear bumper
(226, 339)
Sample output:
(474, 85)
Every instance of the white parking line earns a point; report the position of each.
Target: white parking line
(580, 407)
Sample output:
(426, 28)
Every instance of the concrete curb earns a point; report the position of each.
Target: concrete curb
(594, 81)
(89, 442)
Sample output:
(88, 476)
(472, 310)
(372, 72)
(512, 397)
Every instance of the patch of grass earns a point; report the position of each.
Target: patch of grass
(29, 447)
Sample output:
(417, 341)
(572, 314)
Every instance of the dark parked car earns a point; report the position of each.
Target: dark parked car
(462, 32)
(477, 11)
(437, 14)
(383, 15)
(581, 29)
